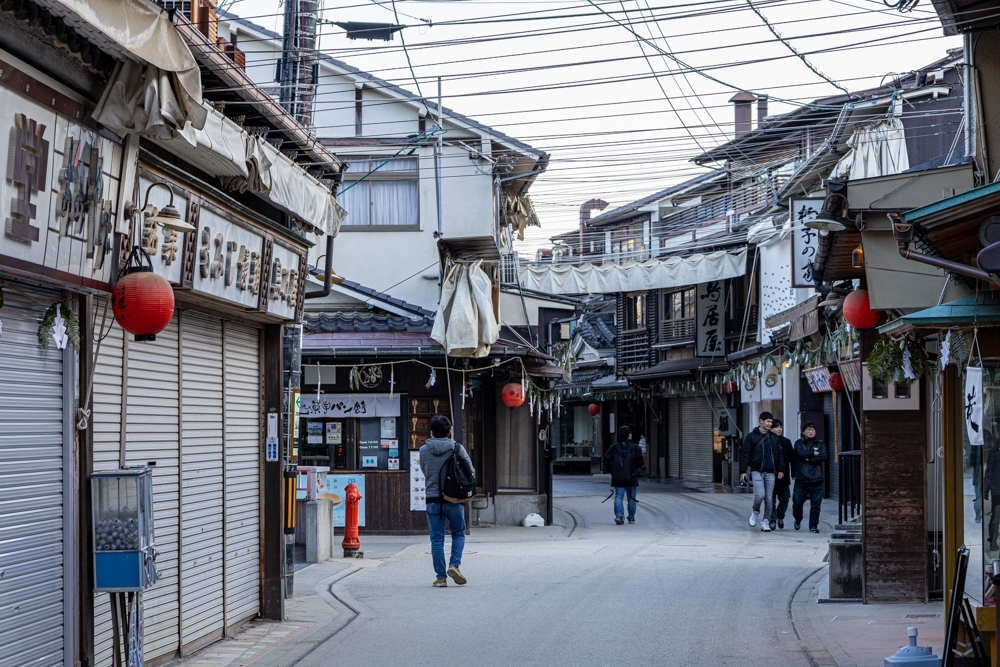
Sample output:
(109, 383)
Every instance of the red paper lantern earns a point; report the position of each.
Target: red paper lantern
(858, 312)
(836, 381)
(512, 395)
(593, 409)
(143, 303)
(730, 386)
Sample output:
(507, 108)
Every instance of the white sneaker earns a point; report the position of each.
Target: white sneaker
(753, 519)
(765, 526)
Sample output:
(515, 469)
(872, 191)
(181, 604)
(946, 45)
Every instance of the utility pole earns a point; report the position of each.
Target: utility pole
(297, 68)
(437, 162)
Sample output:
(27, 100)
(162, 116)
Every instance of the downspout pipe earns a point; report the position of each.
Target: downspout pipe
(902, 231)
(327, 272)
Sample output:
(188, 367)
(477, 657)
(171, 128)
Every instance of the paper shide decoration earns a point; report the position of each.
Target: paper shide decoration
(60, 325)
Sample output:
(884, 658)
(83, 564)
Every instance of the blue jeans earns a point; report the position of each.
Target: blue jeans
(455, 514)
(619, 497)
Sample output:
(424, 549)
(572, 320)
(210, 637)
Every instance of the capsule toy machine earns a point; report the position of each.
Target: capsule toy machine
(124, 551)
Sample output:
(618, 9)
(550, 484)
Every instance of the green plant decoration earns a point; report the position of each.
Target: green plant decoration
(887, 359)
(355, 382)
(70, 321)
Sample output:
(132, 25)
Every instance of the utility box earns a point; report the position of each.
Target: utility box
(124, 555)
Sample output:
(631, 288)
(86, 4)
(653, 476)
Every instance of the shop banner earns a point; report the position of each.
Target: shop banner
(974, 405)
(710, 325)
(350, 405)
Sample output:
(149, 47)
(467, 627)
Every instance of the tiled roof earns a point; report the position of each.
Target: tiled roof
(355, 322)
(598, 329)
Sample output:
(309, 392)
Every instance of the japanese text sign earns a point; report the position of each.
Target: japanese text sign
(805, 241)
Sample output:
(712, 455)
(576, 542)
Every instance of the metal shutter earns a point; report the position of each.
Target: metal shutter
(673, 438)
(243, 438)
(32, 479)
(105, 424)
(152, 433)
(696, 438)
(201, 527)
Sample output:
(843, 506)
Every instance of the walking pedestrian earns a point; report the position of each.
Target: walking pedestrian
(811, 455)
(991, 486)
(782, 487)
(434, 455)
(762, 456)
(624, 460)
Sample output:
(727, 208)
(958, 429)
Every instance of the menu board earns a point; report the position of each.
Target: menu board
(375, 450)
(418, 497)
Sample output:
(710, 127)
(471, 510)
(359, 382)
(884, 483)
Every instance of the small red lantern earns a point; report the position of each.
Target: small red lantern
(512, 395)
(858, 312)
(730, 386)
(836, 381)
(142, 301)
(593, 409)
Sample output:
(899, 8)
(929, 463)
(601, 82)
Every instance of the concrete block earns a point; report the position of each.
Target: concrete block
(845, 569)
(510, 510)
(318, 526)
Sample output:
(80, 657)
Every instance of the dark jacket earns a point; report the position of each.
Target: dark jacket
(992, 482)
(791, 467)
(433, 455)
(810, 464)
(755, 446)
(638, 463)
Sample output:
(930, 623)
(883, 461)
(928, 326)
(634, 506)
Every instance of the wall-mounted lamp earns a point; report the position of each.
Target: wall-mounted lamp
(168, 217)
(858, 257)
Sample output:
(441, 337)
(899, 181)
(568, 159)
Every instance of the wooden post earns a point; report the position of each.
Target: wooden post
(951, 462)
(85, 465)
(273, 551)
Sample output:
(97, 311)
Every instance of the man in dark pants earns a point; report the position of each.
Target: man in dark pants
(782, 486)
(811, 455)
(624, 460)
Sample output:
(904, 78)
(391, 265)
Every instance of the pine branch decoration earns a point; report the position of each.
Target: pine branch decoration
(45, 328)
(72, 325)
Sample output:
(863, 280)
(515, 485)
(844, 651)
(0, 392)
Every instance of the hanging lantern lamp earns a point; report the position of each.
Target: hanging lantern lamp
(142, 301)
(512, 395)
(857, 311)
(730, 386)
(593, 409)
(836, 381)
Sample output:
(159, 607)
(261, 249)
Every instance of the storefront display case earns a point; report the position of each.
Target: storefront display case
(124, 552)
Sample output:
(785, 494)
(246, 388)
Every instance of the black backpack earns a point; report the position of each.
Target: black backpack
(621, 464)
(457, 479)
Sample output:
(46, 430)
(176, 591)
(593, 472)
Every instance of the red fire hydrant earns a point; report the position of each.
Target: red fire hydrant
(351, 544)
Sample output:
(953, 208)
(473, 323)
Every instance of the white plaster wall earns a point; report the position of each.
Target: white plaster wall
(383, 116)
(261, 56)
(333, 114)
(512, 310)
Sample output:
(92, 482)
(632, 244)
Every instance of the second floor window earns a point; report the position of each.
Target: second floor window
(387, 198)
(635, 312)
(678, 305)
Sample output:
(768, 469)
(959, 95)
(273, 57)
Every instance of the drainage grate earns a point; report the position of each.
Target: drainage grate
(922, 616)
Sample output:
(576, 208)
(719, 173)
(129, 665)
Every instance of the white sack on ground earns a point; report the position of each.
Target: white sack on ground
(634, 276)
(465, 325)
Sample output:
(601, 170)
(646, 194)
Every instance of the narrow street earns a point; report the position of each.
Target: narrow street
(690, 583)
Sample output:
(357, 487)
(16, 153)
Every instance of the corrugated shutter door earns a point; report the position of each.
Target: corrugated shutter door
(202, 483)
(241, 349)
(152, 434)
(31, 486)
(696, 439)
(673, 438)
(105, 424)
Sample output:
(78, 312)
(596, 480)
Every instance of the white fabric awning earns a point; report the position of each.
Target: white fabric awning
(219, 148)
(634, 276)
(295, 191)
(465, 324)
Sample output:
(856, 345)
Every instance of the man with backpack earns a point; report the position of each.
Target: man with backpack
(449, 482)
(762, 455)
(624, 460)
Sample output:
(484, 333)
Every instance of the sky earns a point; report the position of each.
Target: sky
(623, 93)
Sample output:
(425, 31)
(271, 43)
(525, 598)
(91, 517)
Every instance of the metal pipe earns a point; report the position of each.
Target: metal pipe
(437, 162)
(328, 272)
(902, 231)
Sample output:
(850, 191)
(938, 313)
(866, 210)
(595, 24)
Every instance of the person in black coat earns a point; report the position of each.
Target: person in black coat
(811, 455)
(624, 459)
(783, 486)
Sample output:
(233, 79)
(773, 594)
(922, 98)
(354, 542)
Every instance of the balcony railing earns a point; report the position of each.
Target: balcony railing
(633, 351)
(676, 331)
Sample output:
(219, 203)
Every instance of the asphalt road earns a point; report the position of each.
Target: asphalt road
(690, 583)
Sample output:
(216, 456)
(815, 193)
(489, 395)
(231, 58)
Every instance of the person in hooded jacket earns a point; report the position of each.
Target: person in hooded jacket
(433, 456)
(810, 454)
(762, 456)
(624, 459)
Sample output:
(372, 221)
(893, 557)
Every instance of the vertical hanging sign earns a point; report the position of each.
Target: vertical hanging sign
(805, 241)
(974, 405)
(711, 321)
